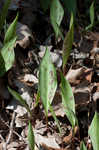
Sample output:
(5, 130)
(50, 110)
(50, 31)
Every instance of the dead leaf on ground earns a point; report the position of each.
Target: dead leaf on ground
(88, 74)
(45, 147)
(49, 141)
(68, 139)
(82, 94)
(74, 74)
(24, 34)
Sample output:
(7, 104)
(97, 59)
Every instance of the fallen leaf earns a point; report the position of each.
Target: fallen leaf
(24, 34)
(74, 74)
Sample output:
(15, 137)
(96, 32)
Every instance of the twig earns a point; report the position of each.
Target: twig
(13, 130)
(10, 132)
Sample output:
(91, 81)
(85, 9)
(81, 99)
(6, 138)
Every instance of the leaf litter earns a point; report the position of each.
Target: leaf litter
(82, 76)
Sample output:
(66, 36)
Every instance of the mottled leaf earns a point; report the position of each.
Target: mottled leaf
(47, 81)
(56, 15)
(68, 100)
(68, 41)
(94, 131)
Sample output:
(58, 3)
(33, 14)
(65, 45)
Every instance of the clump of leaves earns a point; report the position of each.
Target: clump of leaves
(48, 82)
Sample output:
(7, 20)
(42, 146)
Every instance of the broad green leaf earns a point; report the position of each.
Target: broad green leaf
(94, 131)
(91, 17)
(31, 137)
(56, 15)
(45, 4)
(17, 96)
(47, 81)
(71, 6)
(82, 146)
(8, 56)
(4, 13)
(68, 100)
(55, 118)
(68, 41)
(11, 32)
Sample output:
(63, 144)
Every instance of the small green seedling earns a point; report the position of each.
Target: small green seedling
(92, 17)
(17, 96)
(31, 137)
(82, 146)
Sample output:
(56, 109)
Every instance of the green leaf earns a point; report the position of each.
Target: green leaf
(55, 118)
(47, 81)
(94, 131)
(91, 17)
(59, 31)
(45, 4)
(71, 6)
(82, 146)
(8, 56)
(20, 99)
(31, 137)
(37, 99)
(68, 100)
(92, 13)
(11, 32)
(4, 13)
(56, 15)
(68, 41)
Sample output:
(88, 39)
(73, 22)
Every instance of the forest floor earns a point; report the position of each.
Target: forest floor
(35, 33)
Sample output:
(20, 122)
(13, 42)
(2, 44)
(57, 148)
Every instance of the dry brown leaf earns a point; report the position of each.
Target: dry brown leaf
(88, 75)
(45, 147)
(74, 74)
(82, 94)
(68, 139)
